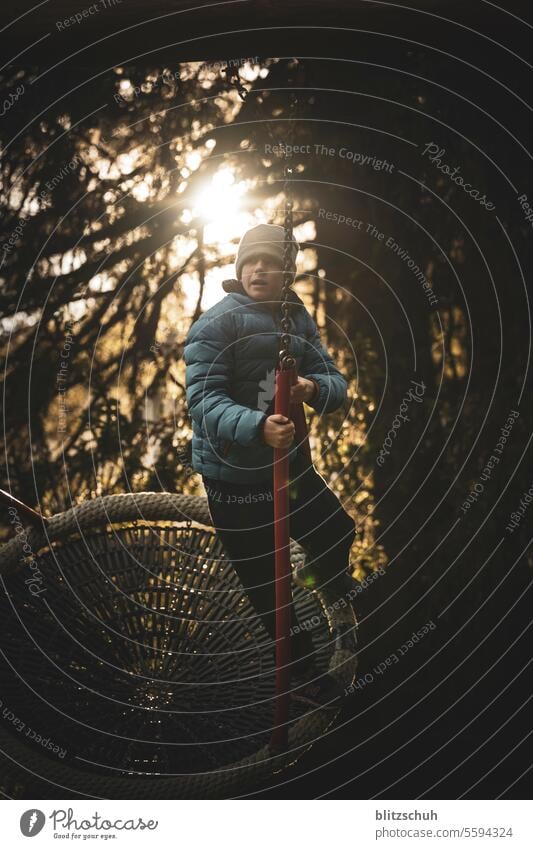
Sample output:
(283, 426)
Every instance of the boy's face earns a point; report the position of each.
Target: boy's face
(262, 277)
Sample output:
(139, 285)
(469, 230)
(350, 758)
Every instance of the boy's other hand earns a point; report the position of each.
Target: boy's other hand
(278, 431)
(302, 390)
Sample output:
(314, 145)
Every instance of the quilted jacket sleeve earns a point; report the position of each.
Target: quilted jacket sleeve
(208, 359)
(317, 364)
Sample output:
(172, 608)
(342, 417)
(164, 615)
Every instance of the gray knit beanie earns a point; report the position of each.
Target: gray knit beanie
(264, 239)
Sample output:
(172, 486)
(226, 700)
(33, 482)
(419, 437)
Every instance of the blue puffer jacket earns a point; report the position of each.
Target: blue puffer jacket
(231, 353)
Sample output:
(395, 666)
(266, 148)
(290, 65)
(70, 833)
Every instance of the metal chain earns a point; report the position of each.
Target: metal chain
(286, 360)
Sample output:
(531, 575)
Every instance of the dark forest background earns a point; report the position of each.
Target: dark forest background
(113, 263)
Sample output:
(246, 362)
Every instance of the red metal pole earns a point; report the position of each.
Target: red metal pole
(284, 380)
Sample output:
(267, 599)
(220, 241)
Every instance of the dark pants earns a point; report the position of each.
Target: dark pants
(318, 522)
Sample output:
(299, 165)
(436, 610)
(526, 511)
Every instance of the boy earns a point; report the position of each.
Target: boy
(231, 353)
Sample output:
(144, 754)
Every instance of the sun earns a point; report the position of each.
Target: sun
(223, 207)
(219, 202)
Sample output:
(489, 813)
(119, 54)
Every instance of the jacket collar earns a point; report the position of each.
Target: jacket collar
(238, 293)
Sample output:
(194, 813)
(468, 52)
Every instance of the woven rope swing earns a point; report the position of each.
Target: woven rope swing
(128, 642)
(132, 664)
